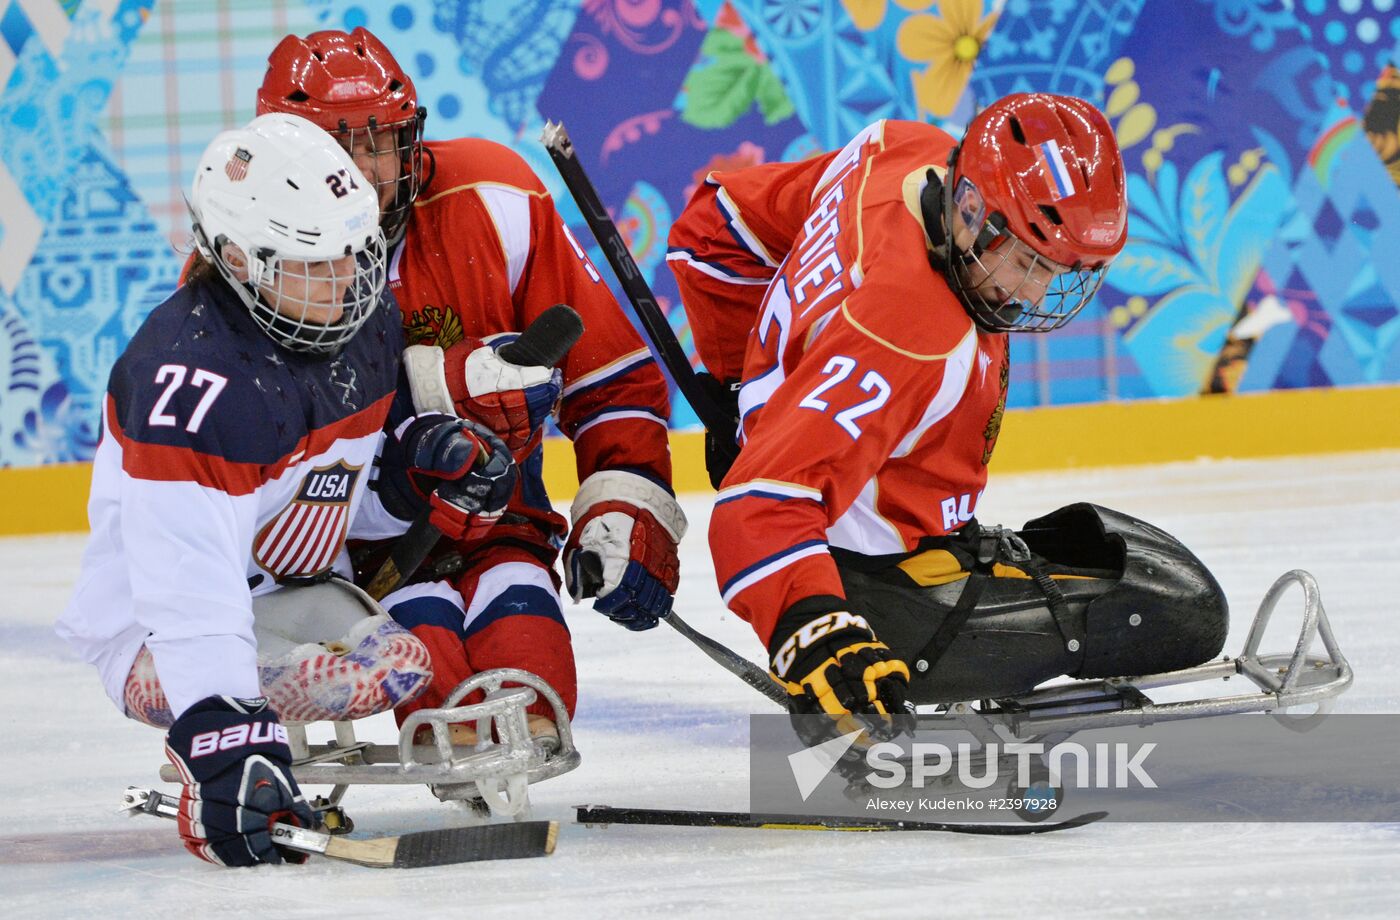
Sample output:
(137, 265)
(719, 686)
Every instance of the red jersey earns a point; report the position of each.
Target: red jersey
(870, 401)
(486, 253)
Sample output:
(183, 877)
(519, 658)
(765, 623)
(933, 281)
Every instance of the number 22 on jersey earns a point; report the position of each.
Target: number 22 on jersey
(837, 369)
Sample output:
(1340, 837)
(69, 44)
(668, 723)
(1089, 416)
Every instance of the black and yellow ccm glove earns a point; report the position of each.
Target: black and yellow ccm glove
(832, 664)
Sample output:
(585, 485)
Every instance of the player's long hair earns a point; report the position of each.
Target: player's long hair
(200, 271)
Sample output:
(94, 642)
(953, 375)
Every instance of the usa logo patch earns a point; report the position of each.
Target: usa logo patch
(303, 539)
(237, 166)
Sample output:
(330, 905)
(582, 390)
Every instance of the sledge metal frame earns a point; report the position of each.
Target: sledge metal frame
(490, 777)
(1053, 714)
(1282, 681)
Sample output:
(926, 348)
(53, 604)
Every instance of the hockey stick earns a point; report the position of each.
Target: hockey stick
(731, 661)
(405, 556)
(543, 344)
(419, 850)
(606, 814)
(663, 339)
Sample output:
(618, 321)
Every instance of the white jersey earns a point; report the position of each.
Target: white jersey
(227, 465)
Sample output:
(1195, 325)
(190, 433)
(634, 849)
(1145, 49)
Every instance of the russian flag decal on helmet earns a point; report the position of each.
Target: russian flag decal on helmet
(1056, 173)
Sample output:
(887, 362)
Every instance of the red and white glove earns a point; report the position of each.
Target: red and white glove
(471, 380)
(622, 548)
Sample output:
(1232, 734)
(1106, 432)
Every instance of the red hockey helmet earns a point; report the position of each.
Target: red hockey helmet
(1036, 207)
(351, 86)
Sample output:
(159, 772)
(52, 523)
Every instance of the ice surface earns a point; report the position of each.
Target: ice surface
(662, 726)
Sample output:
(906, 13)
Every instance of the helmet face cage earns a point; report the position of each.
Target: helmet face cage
(1020, 301)
(405, 140)
(276, 293)
(291, 225)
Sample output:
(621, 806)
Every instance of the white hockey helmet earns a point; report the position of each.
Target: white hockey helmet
(285, 193)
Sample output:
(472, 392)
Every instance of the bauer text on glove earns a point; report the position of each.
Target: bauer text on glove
(236, 768)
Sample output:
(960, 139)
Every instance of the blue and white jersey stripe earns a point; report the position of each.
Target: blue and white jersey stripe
(713, 269)
(618, 412)
(767, 566)
(742, 234)
(767, 488)
(609, 372)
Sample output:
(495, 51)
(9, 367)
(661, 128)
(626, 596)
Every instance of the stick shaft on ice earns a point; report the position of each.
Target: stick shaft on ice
(408, 851)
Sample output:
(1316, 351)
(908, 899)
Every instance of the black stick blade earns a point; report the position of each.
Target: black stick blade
(475, 844)
(547, 340)
(606, 814)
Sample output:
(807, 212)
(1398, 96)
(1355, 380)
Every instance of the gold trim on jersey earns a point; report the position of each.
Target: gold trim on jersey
(910, 192)
(875, 510)
(500, 239)
(818, 326)
(747, 238)
(846, 312)
(799, 490)
(483, 183)
(860, 205)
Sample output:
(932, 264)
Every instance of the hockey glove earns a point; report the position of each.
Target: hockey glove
(622, 548)
(236, 768)
(457, 467)
(472, 380)
(512, 400)
(832, 664)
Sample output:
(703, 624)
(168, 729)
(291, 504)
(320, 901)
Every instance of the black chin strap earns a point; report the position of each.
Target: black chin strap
(931, 209)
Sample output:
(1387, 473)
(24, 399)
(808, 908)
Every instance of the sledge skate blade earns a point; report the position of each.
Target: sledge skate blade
(1283, 681)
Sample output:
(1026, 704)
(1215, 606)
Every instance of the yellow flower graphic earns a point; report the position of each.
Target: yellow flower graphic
(868, 14)
(949, 45)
